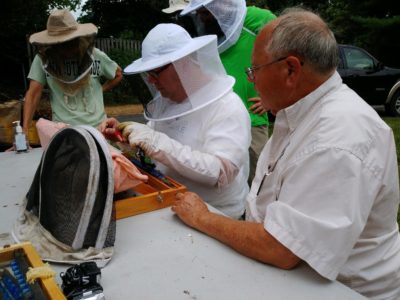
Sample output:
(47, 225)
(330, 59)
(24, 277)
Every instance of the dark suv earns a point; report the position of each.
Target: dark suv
(374, 82)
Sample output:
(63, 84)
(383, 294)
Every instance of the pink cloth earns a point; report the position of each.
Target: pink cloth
(46, 129)
(126, 175)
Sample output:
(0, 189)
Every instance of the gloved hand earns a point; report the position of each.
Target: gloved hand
(198, 166)
(139, 135)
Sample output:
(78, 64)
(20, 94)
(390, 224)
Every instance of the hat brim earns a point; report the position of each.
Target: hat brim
(172, 9)
(226, 82)
(140, 65)
(43, 37)
(189, 8)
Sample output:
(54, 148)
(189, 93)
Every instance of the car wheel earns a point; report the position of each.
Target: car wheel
(393, 107)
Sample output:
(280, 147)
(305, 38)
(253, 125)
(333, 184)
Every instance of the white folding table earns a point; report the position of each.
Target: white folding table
(156, 256)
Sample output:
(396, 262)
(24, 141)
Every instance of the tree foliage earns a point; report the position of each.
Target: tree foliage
(371, 24)
(125, 18)
(19, 19)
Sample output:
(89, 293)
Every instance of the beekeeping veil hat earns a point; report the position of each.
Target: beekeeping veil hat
(230, 15)
(68, 212)
(197, 65)
(62, 27)
(65, 48)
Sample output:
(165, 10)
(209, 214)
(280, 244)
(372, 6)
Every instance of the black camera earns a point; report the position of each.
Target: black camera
(82, 282)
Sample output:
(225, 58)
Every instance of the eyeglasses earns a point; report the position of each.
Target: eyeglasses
(156, 73)
(250, 70)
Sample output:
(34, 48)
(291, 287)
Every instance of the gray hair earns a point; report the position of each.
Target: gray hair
(301, 32)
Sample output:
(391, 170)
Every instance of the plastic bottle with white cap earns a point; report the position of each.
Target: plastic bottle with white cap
(20, 144)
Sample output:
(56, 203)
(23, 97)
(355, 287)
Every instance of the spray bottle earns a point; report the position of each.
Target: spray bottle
(20, 144)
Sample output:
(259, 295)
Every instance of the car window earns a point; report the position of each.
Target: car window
(357, 59)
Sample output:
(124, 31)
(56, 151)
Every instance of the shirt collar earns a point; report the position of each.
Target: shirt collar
(295, 113)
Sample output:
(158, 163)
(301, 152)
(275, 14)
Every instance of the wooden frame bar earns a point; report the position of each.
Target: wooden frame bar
(49, 285)
(153, 195)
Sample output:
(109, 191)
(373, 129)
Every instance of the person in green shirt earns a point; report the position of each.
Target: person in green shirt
(236, 27)
(71, 67)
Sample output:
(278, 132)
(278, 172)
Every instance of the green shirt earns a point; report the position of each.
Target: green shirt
(87, 106)
(238, 57)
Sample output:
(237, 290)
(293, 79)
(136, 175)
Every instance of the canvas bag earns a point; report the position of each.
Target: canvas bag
(68, 213)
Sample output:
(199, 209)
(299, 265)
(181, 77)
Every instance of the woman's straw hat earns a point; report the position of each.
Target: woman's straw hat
(62, 27)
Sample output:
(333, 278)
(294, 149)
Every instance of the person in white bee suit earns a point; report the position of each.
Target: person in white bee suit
(236, 26)
(198, 130)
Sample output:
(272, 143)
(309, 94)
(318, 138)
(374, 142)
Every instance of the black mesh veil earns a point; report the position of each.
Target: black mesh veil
(72, 191)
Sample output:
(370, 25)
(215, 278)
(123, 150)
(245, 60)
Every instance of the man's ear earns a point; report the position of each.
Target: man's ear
(293, 67)
(293, 64)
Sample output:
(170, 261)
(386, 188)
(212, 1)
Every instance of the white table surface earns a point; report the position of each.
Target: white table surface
(158, 257)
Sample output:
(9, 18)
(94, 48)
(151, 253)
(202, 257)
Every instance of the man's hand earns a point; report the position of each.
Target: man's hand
(257, 107)
(109, 128)
(189, 207)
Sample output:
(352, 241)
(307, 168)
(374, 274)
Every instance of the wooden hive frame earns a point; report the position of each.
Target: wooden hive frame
(48, 285)
(153, 195)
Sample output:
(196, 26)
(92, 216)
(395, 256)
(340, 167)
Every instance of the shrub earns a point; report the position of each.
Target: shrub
(132, 88)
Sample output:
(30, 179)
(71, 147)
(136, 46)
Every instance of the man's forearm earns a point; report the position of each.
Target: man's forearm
(110, 84)
(27, 115)
(32, 98)
(247, 238)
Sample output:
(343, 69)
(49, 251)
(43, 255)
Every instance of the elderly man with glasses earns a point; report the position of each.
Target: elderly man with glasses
(326, 189)
(199, 130)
